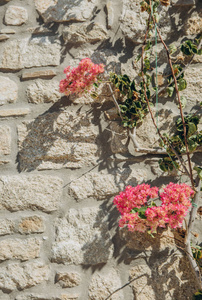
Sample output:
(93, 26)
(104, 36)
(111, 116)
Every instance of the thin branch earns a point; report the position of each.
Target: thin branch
(115, 102)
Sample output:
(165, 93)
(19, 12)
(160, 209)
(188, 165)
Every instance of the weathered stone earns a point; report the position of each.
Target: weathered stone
(183, 2)
(82, 238)
(193, 91)
(7, 31)
(34, 296)
(27, 53)
(193, 24)
(166, 277)
(101, 185)
(118, 138)
(110, 14)
(87, 33)
(14, 112)
(17, 276)
(133, 21)
(8, 90)
(65, 10)
(4, 161)
(19, 249)
(32, 224)
(6, 227)
(15, 15)
(43, 74)
(61, 139)
(42, 91)
(5, 140)
(22, 192)
(103, 284)
(67, 279)
(4, 37)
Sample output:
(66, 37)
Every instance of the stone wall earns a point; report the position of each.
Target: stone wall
(62, 160)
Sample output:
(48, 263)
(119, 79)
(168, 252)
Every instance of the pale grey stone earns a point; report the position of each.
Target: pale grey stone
(7, 30)
(85, 34)
(110, 14)
(65, 10)
(33, 224)
(15, 15)
(17, 276)
(68, 279)
(82, 238)
(193, 91)
(14, 112)
(22, 192)
(62, 139)
(34, 296)
(4, 37)
(19, 249)
(27, 53)
(42, 91)
(103, 284)
(5, 140)
(6, 227)
(8, 90)
(193, 25)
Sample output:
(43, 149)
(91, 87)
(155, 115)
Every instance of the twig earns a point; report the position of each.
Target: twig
(115, 102)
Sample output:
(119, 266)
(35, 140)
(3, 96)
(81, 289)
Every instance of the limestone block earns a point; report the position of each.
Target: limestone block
(22, 192)
(193, 24)
(6, 227)
(34, 224)
(4, 37)
(86, 33)
(28, 53)
(47, 74)
(7, 30)
(5, 140)
(133, 21)
(17, 276)
(101, 185)
(68, 279)
(103, 284)
(19, 249)
(82, 238)
(61, 139)
(15, 15)
(110, 14)
(193, 76)
(14, 112)
(34, 296)
(42, 91)
(8, 90)
(65, 10)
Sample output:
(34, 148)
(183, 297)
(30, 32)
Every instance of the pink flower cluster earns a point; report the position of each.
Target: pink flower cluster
(81, 78)
(141, 216)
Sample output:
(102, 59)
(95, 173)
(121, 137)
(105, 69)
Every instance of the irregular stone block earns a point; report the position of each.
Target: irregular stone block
(82, 238)
(84, 34)
(14, 112)
(103, 284)
(183, 2)
(44, 74)
(61, 139)
(193, 91)
(28, 53)
(5, 140)
(34, 224)
(4, 37)
(65, 10)
(110, 14)
(19, 249)
(101, 185)
(34, 296)
(193, 24)
(17, 276)
(68, 279)
(6, 227)
(8, 90)
(15, 15)
(42, 91)
(22, 192)
(7, 31)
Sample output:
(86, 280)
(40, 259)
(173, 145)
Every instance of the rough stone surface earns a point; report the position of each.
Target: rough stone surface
(15, 15)
(65, 10)
(42, 91)
(4, 37)
(14, 112)
(22, 192)
(194, 24)
(6, 227)
(34, 296)
(82, 238)
(193, 91)
(110, 14)
(26, 53)
(102, 285)
(19, 249)
(8, 90)
(7, 31)
(102, 185)
(5, 140)
(17, 276)
(57, 140)
(86, 33)
(32, 224)
(68, 279)
(47, 74)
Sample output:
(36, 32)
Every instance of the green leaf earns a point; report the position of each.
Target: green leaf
(183, 101)
(192, 145)
(182, 84)
(148, 46)
(170, 91)
(192, 129)
(200, 51)
(172, 49)
(199, 171)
